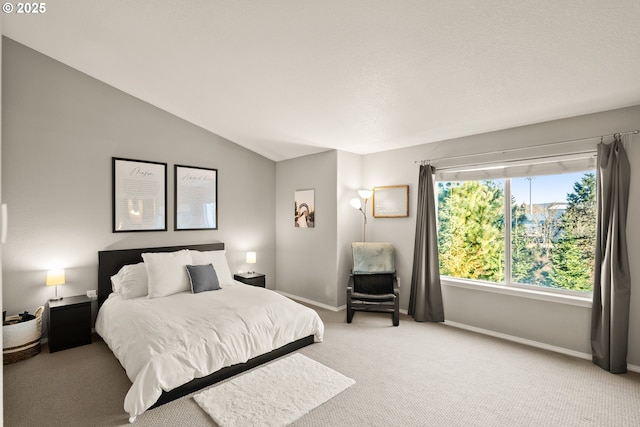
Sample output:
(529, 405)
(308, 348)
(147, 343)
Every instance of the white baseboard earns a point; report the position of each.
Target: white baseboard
(519, 340)
(537, 344)
(312, 302)
(532, 343)
(319, 304)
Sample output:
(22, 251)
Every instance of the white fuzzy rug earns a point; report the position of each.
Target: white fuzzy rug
(273, 395)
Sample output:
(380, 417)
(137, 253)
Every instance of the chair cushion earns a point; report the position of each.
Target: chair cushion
(372, 298)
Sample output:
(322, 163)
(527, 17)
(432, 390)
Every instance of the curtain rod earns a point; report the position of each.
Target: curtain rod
(424, 162)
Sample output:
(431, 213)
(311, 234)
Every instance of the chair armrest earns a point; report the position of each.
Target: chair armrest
(350, 286)
(396, 289)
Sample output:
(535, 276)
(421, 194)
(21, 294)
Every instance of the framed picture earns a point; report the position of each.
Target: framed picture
(196, 201)
(139, 190)
(304, 210)
(391, 201)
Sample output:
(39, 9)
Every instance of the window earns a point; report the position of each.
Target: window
(550, 240)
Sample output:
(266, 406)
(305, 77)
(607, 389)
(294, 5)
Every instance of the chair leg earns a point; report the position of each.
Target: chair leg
(396, 311)
(349, 302)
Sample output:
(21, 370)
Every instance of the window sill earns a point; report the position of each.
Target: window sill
(558, 298)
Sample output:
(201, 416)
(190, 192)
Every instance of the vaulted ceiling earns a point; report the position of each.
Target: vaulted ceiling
(286, 78)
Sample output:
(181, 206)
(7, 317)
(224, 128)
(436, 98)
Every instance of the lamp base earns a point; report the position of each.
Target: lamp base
(55, 299)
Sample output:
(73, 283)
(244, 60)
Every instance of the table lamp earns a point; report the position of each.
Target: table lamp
(55, 278)
(251, 259)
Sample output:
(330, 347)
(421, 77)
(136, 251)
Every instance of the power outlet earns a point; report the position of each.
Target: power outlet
(92, 294)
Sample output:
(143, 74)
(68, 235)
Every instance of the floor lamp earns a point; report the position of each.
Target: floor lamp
(357, 204)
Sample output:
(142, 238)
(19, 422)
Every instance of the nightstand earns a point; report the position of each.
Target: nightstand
(254, 279)
(69, 322)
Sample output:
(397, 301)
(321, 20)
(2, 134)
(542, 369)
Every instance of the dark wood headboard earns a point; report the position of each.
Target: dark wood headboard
(110, 262)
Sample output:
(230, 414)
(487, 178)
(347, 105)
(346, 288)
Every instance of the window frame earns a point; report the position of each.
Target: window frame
(574, 297)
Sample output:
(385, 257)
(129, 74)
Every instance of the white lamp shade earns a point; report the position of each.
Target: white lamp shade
(355, 203)
(251, 257)
(365, 194)
(55, 277)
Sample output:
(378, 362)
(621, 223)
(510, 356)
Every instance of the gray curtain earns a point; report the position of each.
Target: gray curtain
(612, 283)
(425, 301)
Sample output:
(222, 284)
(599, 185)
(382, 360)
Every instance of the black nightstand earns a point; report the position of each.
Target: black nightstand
(255, 279)
(69, 322)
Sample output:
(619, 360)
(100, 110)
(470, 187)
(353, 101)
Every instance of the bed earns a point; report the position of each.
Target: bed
(172, 345)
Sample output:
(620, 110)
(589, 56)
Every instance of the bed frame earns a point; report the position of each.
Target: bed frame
(110, 262)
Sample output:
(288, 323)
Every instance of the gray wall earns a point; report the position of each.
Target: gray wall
(547, 322)
(314, 264)
(306, 257)
(60, 130)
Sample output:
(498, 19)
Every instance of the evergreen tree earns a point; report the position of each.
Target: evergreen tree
(574, 253)
(569, 271)
(523, 254)
(471, 231)
(580, 218)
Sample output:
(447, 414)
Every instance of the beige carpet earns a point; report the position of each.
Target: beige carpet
(417, 374)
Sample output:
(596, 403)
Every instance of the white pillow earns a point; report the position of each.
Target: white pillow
(130, 281)
(167, 272)
(219, 261)
(116, 280)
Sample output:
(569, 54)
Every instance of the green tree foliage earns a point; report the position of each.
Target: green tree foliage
(569, 271)
(470, 237)
(524, 250)
(580, 218)
(574, 253)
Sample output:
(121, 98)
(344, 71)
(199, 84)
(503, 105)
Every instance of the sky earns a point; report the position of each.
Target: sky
(544, 189)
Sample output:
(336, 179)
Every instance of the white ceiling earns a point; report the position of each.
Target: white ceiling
(286, 78)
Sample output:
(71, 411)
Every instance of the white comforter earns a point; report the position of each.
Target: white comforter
(163, 343)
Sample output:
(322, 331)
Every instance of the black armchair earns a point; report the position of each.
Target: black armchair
(373, 285)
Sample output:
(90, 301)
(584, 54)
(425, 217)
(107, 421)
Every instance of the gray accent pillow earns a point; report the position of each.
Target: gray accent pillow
(203, 278)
